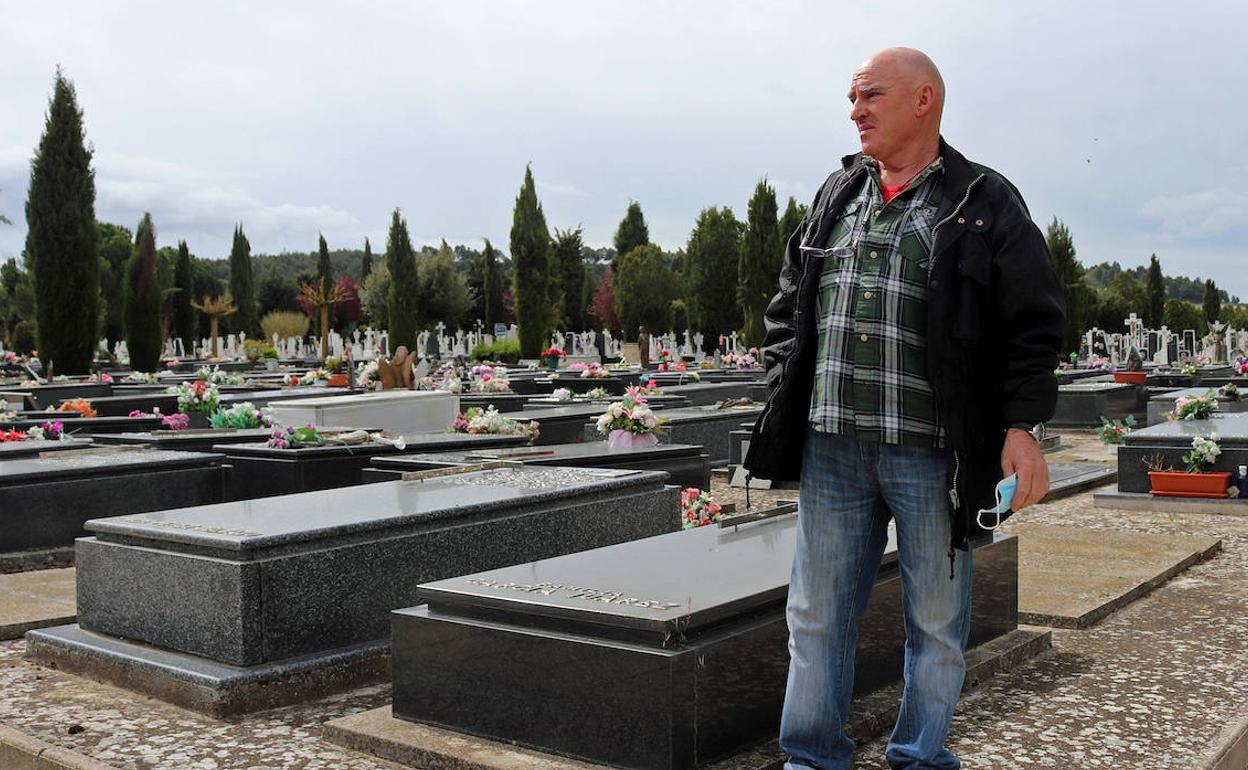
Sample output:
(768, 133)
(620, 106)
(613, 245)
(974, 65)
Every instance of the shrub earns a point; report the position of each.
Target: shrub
(284, 323)
(506, 351)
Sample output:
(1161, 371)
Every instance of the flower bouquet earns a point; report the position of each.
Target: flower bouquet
(1194, 407)
(594, 394)
(241, 416)
(1229, 391)
(698, 508)
(550, 357)
(1113, 432)
(79, 405)
(141, 378)
(214, 375)
(488, 379)
(1188, 369)
(595, 371)
(103, 377)
(562, 395)
(630, 423)
(308, 436)
(478, 421)
(53, 430)
(368, 375)
(198, 396)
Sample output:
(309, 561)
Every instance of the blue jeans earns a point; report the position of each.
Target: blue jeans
(850, 489)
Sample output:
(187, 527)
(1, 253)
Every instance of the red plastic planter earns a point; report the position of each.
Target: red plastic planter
(1135, 378)
(1175, 484)
(336, 381)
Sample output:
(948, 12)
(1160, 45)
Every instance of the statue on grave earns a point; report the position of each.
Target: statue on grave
(643, 347)
(1135, 362)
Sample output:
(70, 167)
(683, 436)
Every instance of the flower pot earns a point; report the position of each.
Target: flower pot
(1112, 449)
(337, 381)
(199, 420)
(551, 362)
(1176, 484)
(1135, 378)
(270, 364)
(624, 439)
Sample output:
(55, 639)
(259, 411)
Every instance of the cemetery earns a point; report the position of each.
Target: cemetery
(485, 505)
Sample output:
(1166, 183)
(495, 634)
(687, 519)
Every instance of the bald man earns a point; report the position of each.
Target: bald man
(909, 353)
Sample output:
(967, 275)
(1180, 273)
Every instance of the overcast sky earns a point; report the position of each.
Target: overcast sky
(1127, 120)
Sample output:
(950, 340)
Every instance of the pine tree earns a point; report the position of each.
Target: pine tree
(241, 287)
(491, 287)
(366, 265)
(1156, 288)
(1211, 301)
(1081, 304)
(144, 331)
(571, 271)
(530, 255)
(404, 284)
(324, 267)
(758, 272)
(61, 249)
(710, 267)
(631, 233)
(183, 313)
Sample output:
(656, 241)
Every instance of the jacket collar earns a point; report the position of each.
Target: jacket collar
(959, 173)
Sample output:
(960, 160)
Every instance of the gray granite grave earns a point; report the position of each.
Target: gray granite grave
(669, 651)
(1172, 440)
(258, 470)
(502, 402)
(687, 465)
(45, 499)
(1082, 404)
(1161, 405)
(52, 394)
(12, 449)
(248, 605)
(84, 426)
(706, 426)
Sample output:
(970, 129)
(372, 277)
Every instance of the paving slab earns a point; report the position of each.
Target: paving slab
(30, 600)
(1070, 577)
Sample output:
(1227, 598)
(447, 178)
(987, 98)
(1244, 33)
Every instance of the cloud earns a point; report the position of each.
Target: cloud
(1202, 214)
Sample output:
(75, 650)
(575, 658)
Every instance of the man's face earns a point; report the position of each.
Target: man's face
(883, 109)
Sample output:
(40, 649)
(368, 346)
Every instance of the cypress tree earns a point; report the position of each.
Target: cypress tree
(631, 233)
(644, 290)
(183, 313)
(1081, 304)
(144, 330)
(710, 262)
(404, 284)
(530, 254)
(241, 287)
(324, 268)
(789, 222)
(491, 287)
(1155, 285)
(366, 266)
(1211, 301)
(571, 271)
(61, 249)
(758, 273)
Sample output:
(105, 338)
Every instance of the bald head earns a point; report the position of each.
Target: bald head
(898, 96)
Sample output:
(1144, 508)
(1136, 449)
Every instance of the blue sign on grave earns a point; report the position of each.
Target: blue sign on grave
(500, 330)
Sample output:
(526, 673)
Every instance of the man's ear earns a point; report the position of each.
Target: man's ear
(925, 99)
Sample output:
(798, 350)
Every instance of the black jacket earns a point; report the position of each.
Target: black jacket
(995, 317)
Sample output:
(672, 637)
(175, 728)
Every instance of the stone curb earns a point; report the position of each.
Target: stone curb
(1230, 748)
(19, 751)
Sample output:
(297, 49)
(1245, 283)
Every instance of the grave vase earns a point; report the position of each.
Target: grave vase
(1177, 484)
(624, 439)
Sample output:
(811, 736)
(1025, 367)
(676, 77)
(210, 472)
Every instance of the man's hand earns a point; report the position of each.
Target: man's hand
(1021, 454)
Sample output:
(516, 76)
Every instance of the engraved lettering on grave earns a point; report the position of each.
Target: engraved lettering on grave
(576, 592)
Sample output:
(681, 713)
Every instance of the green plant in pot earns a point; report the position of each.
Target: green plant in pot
(1196, 480)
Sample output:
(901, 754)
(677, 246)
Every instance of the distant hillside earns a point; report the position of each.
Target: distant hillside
(1177, 286)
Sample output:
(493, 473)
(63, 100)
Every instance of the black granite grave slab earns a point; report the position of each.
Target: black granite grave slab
(706, 426)
(542, 384)
(1171, 379)
(1067, 376)
(123, 405)
(502, 402)
(1082, 404)
(258, 470)
(45, 499)
(687, 465)
(270, 586)
(52, 394)
(670, 651)
(1172, 440)
(196, 440)
(86, 426)
(707, 393)
(12, 449)
(1161, 405)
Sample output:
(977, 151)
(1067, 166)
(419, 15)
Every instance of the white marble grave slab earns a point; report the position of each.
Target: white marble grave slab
(397, 411)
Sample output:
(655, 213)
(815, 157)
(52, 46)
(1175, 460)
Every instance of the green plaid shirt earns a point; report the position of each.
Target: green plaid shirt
(871, 372)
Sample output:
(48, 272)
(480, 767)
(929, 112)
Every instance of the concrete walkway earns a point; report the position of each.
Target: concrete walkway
(35, 600)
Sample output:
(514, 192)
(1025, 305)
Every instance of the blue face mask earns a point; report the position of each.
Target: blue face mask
(1005, 495)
